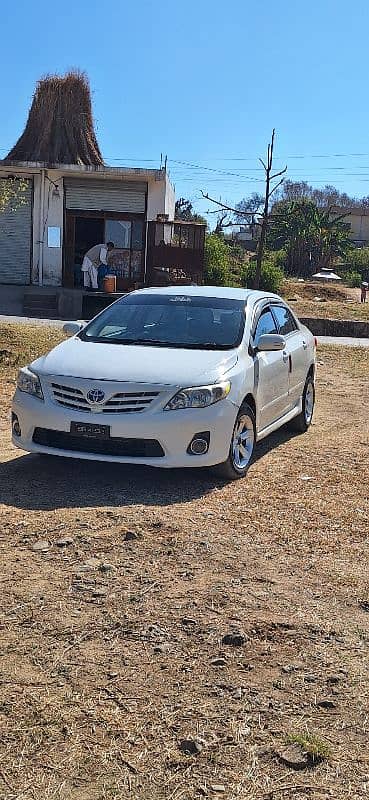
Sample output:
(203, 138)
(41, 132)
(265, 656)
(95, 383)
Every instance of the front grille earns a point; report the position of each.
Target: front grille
(130, 448)
(120, 403)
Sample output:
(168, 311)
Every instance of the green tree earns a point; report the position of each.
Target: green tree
(184, 210)
(12, 193)
(312, 237)
(217, 257)
(358, 260)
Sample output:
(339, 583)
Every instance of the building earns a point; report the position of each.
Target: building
(358, 219)
(66, 208)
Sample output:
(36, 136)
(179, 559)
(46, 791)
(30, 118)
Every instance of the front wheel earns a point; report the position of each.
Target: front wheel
(241, 447)
(302, 422)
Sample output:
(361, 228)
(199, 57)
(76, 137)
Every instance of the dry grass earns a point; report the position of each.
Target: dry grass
(60, 128)
(106, 665)
(334, 303)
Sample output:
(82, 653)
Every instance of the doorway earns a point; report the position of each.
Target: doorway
(88, 232)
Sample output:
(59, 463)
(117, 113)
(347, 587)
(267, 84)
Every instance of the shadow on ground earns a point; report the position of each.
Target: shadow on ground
(35, 483)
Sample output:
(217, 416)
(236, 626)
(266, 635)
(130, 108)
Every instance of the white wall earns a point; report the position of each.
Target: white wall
(160, 198)
(53, 216)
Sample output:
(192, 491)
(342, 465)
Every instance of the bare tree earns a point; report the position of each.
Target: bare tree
(268, 168)
(223, 221)
(270, 188)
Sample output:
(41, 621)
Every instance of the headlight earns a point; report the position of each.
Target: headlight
(199, 396)
(29, 382)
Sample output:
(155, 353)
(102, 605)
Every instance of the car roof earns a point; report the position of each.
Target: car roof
(226, 292)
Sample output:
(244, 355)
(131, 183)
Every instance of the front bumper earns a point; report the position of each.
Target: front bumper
(172, 429)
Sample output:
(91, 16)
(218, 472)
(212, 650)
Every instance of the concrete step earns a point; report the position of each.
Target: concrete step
(48, 313)
(40, 304)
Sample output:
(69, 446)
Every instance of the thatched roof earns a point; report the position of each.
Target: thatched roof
(60, 128)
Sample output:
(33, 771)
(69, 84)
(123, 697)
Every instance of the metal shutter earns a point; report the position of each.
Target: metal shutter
(105, 195)
(16, 238)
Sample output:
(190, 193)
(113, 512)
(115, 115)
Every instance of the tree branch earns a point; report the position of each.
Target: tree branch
(228, 208)
(277, 174)
(276, 187)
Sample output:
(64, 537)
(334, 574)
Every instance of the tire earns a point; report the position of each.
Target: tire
(302, 422)
(240, 454)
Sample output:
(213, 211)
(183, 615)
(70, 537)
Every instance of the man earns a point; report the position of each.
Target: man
(95, 265)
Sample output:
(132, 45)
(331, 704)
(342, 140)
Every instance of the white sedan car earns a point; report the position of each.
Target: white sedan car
(171, 377)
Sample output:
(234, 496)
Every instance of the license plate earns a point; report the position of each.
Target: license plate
(90, 430)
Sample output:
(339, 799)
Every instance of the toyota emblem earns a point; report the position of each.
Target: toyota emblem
(95, 396)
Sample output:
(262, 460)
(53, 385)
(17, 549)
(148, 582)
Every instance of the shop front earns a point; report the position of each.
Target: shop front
(103, 211)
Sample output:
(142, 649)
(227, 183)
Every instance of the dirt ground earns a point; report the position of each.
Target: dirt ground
(118, 586)
(324, 300)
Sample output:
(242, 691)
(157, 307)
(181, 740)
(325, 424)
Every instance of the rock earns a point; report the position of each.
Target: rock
(112, 675)
(325, 703)
(91, 563)
(192, 747)
(288, 668)
(106, 567)
(41, 546)
(132, 536)
(333, 679)
(295, 757)
(188, 621)
(64, 542)
(217, 787)
(234, 639)
(364, 604)
(99, 592)
(218, 662)
(162, 648)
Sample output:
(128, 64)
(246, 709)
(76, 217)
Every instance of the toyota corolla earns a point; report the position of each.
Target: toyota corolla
(171, 377)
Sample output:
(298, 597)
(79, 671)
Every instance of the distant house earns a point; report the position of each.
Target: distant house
(247, 236)
(358, 219)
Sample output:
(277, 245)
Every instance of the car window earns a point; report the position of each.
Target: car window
(286, 322)
(265, 324)
(190, 321)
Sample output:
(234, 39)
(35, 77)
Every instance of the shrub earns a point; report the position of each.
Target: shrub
(271, 276)
(358, 259)
(217, 257)
(353, 279)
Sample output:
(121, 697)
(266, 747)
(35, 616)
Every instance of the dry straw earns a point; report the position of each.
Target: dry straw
(60, 128)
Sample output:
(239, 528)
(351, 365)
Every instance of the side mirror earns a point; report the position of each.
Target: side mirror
(71, 328)
(270, 341)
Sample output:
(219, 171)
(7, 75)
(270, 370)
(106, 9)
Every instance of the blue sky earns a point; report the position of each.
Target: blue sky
(205, 83)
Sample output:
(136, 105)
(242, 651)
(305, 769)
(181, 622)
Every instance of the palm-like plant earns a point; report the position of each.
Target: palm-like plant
(312, 237)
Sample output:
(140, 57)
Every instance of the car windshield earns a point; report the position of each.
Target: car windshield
(209, 323)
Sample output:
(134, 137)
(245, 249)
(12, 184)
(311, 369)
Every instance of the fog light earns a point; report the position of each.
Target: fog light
(16, 428)
(199, 445)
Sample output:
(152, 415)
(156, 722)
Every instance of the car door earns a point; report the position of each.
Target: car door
(271, 374)
(296, 349)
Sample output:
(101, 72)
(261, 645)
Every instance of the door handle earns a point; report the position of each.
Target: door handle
(285, 357)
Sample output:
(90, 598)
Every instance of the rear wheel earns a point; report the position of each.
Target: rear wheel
(241, 447)
(302, 422)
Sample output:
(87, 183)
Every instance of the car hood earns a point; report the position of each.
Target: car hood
(134, 363)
